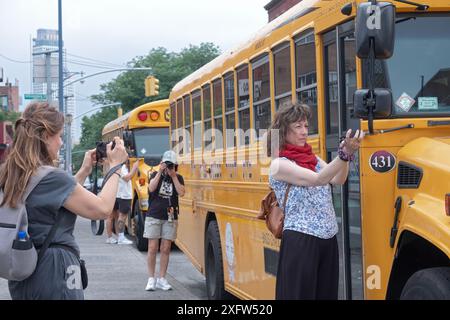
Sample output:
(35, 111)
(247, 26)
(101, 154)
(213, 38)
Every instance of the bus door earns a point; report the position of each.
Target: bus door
(340, 84)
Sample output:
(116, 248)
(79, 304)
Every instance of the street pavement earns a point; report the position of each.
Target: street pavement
(119, 272)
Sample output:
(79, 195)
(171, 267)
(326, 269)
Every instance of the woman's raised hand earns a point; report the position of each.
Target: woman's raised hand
(118, 155)
(351, 144)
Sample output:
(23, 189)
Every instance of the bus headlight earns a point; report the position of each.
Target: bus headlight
(144, 204)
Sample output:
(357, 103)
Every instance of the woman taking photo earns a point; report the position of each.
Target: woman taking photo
(36, 143)
(308, 266)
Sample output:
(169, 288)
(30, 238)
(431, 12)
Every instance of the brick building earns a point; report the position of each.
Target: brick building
(277, 7)
(9, 97)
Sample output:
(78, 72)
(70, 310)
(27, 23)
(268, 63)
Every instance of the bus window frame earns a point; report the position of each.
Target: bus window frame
(186, 142)
(239, 69)
(220, 116)
(298, 90)
(231, 111)
(275, 50)
(205, 87)
(197, 93)
(258, 62)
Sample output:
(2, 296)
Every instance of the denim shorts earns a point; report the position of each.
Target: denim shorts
(160, 229)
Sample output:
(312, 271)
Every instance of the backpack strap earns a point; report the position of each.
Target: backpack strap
(34, 181)
(286, 196)
(36, 178)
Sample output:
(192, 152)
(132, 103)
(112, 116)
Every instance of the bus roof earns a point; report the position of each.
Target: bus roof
(130, 119)
(318, 14)
(301, 9)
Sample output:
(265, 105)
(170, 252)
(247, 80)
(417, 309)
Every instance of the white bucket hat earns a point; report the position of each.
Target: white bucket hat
(170, 156)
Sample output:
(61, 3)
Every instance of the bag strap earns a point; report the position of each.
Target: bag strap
(286, 196)
(50, 236)
(36, 178)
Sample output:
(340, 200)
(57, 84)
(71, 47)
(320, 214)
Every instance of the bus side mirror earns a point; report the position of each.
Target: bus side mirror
(128, 139)
(375, 23)
(383, 103)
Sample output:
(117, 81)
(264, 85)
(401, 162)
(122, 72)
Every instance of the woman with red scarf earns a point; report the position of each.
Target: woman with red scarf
(308, 266)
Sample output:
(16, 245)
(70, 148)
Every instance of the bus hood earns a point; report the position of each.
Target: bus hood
(430, 157)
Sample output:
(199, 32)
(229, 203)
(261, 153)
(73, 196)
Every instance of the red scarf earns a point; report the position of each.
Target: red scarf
(303, 156)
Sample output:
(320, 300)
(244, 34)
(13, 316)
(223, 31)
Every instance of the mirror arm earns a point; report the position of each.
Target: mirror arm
(371, 99)
(420, 7)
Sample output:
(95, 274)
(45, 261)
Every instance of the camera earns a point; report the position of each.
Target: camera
(170, 165)
(100, 150)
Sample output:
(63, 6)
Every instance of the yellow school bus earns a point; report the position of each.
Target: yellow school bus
(393, 212)
(145, 131)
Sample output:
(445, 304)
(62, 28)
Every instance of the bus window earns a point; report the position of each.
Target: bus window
(179, 121)
(207, 111)
(261, 94)
(282, 75)
(229, 109)
(197, 112)
(217, 99)
(173, 123)
(151, 142)
(244, 105)
(187, 124)
(306, 75)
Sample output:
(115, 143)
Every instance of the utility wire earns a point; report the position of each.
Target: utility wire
(95, 60)
(13, 60)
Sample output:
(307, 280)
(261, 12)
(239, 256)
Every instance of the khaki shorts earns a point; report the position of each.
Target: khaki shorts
(160, 229)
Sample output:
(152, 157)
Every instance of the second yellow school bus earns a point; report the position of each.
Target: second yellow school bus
(145, 131)
(394, 211)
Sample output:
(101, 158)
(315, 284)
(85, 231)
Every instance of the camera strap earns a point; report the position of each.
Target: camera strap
(111, 172)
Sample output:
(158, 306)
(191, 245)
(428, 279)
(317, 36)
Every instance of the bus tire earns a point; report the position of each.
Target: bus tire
(428, 284)
(215, 287)
(141, 242)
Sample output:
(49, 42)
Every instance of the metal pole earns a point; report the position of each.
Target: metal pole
(60, 50)
(48, 75)
(69, 143)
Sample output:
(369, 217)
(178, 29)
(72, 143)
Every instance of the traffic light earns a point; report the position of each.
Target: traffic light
(151, 86)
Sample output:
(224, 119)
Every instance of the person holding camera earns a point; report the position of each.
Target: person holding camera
(122, 207)
(58, 197)
(165, 187)
(308, 265)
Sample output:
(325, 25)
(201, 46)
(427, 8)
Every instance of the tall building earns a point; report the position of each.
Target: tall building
(45, 69)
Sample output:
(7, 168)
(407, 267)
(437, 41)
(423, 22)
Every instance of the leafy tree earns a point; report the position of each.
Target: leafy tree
(9, 116)
(128, 88)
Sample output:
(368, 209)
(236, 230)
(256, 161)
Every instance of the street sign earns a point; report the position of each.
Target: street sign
(35, 96)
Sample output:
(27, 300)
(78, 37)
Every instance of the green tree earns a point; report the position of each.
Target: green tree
(128, 88)
(9, 116)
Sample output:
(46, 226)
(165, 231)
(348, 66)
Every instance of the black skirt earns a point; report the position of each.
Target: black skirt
(308, 268)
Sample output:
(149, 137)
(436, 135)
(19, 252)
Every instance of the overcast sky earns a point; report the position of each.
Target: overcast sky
(116, 31)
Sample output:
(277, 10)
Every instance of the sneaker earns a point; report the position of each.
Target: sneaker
(163, 284)
(150, 284)
(124, 241)
(111, 240)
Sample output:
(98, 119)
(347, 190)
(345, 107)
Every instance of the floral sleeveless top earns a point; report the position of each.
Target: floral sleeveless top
(308, 209)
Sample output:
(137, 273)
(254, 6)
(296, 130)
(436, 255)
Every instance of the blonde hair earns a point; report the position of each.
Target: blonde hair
(28, 151)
